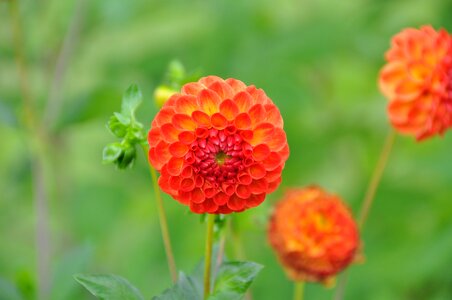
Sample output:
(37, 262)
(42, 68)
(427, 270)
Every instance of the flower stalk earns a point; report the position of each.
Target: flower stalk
(208, 254)
(163, 222)
(298, 290)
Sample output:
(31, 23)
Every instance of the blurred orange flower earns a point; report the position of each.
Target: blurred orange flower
(417, 80)
(313, 234)
(219, 145)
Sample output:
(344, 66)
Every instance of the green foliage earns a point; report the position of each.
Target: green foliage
(125, 126)
(186, 288)
(230, 283)
(9, 291)
(109, 287)
(233, 280)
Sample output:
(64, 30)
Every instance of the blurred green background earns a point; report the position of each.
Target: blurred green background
(317, 59)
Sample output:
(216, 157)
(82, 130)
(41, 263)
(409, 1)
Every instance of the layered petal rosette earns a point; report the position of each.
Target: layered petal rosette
(417, 80)
(313, 234)
(219, 146)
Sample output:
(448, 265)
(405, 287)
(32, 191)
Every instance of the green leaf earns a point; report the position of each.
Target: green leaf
(185, 288)
(122, 119)
(131, 100)
(233, 280)
(109, 287)
(112, 152)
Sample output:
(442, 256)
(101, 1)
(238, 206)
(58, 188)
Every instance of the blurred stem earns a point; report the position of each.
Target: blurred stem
(37, 139)
(298, 290)
(208, 254)
(376, 178)
(163, 221)
(368, 200)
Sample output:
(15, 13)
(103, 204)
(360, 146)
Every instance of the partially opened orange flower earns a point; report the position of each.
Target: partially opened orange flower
(219, 145)
(313, 234)
(417, 80)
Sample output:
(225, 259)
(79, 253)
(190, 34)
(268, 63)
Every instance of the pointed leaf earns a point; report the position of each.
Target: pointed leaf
(131, 100)
(109, 287)
(112, 152)
(185, 289)
(233, 280)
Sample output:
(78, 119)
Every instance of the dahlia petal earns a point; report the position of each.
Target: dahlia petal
(408, 89)
(154, 136)
(197, 196)
(162, 152)
(218, 121)
(278, 140)
(187, 172)
(210, 206)
(186, 104)
(183, 122)
(229, 109)
(174, 182)
(210, 192)
(273, 174)
(192, 88)
(220, 198)
(258, 186)
(223, 89)
(273, 116)
(261, 152)
(174, 166)
(187, 137)
(272, 186)
(262, 133)
(172, 100)
(272, 161)
(258, 95)
(247, 135)
(243, 191)
(235, 203)
(208, 80)
(164, 116)
(242, 121)
(236, 85)
(187, 184)
(224, 209)
(197, 208)
(201, 118)
(163, 182)
(209, 101)
(284, 153)
(178, 149)
(257, 171)
(257, 114)
(227, 188)
(183, 197)
(244, 178)
(255, 200)
(169, 133)
(243, 101)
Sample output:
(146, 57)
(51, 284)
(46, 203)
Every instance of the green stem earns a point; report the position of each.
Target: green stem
(368, 200)
(208, 254)
(376, 178)
(163, 221)
(298, 290)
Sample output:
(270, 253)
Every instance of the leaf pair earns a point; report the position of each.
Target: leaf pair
(231, 283)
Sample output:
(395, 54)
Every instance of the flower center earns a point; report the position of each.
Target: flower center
(218, 155)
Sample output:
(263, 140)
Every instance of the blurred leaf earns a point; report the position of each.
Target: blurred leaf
(71, 263)
(131, 100)
(233, 280)
(112, 152)
(109, 287)
(186, 288)
(9, 291)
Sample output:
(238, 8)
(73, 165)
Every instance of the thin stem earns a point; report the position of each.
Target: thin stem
(163, 222)
(208, 254)
(298, 290)
(37, 144)
(376, 178)
(368, 200)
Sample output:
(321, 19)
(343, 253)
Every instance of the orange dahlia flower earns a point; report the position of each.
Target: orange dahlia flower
(417, 80)
(219, 145)
(313, 234)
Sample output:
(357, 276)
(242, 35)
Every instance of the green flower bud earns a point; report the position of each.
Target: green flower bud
(162, 93)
